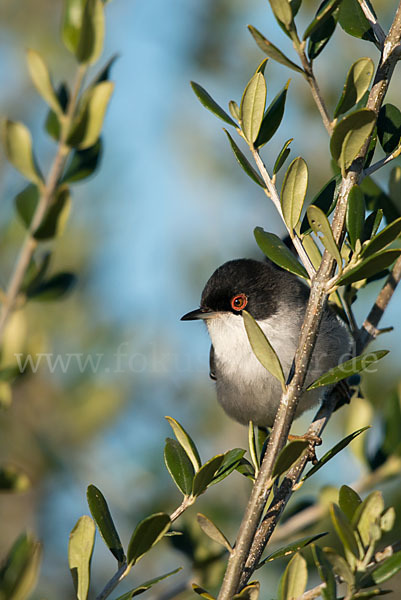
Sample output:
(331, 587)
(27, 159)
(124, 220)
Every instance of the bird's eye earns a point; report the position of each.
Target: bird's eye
(239, 302)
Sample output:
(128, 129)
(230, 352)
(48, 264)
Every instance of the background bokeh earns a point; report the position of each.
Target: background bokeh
(168, 206)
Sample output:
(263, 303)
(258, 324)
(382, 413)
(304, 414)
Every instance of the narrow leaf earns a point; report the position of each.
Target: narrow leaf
(386, 236)
(282, 11)
(389, 127)
(355, 217)
(322, 33)
(387, 569)
(147, 533)
(20, 569)
(275, 249)
(294, 580)
(179, 466)
(71, 24)
(320, 224)
(144, 587)
(231, 461)
(212, 531)
(18, 149)
(367, 515)
(80, 549)
(325, 199)
(272, 51)
(293, 191)
(344, 530)
(348, 368)
(204, 477)
(371, 266)
(325, 573)
(371, 225)
(272, 118)
(88, 125)
(356, 84)
(333, 451)
(91, 35)
(41, 79)
(103, 519)
(253, 106)
(249, 592)
(291, 548)
(282, 156)
(186, 442)
(210, 104)
(354, 22)
(262, 348)
(348, 501)
(324, 11)
(202, 592)
(350, 134)
(288, 456)
(243, 161)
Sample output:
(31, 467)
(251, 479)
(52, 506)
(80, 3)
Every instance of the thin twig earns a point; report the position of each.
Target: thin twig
(381, 163)
(113, 582)
(377, 28)
(47, 194)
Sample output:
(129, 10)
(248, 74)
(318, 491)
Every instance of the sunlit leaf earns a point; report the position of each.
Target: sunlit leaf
(385, 237)
(204, 477)
(253, 106)
(146, 585)
(243, 161)
(350, 134)
(87, 126)
(71, 23)
(282, 156)
(80, 549)
(186, 442)
(325, 573)
(147, 533)
(289, 455)
(262, 348)
(41, 78)
(282, 11)
(367, 514)
(212, 531)
(357, 83)
(275, 249)
(344, 530)
(91, 36)
(348, 368)
(348, 501)
(272, 51)
(272, 118)
(387, 568)
(387, 519)
(179, 466)
(234, 109)
(210, 104)
(340, 566)
(293, 191)
(372, 265)
(325, 199)
(294, 580)
(355, 217)
(104, 521)
(354, 22)
(323, 13)
(320, 224)
(18, 149)
(291, 548)
(20, 568)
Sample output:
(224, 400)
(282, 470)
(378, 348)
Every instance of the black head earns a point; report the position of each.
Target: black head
(243, 284)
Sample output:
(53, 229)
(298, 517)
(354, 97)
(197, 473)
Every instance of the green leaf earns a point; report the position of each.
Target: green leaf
(41, 79)
(231, 461)
(104, 521)
(272, 118)
(56, 216)
(355, 217)
(210, 104)
(54, 288)
(71, 24)
(357, 83)
(83, 163)
(344, 530)
(179, 466)
(354, 22)
(252, 107)
(282, 11)
(282, 156)
(52, 124)
(275, 249)
(348, 501)
(291, 548)
(386, 236)
(389, 127)
(246, 469)
(340, 566)
(234, 109)
(368, 514)
(243, 161)
(293, 191)
(147, 533)
(325, 573)
(319, 224)
(272, 51)
(144, 587)
(249, 592)
(80, 549)
(26, 203)
(371, 225)
(376, 198)
(324, 11)
(36, 272)
(387, 569)
(12, 479)
(104, 73)
(288, 456)
(387, 520)
(394, 185)
(294, 579)
(320, 37)
(333, 451)
(371, 266)
(186, 442)
(91, 36)
(20, 569)
(348, 368)
(212, 531)
(325, 199)
(87, 126)
(202, 592)
(350, 134)
(262, 348)
(18, 148)
(204, 477)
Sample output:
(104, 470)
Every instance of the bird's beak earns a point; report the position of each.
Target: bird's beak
(199, 313)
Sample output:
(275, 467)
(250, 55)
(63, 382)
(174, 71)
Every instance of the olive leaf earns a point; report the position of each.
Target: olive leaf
(272, 51)
(275, 249)
(243, 161)
(356, 84)
(208, 102)
(293, 191)
(80, 549)
(320, 224)
(104, 521)
(252, 107)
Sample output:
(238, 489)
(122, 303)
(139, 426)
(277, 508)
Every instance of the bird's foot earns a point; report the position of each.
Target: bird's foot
(314, 440)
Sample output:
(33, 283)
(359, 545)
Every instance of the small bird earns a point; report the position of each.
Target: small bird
(277, 301)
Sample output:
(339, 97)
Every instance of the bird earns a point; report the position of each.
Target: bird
(277, 300)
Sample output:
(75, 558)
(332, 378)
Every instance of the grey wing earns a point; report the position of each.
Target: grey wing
(212, 372)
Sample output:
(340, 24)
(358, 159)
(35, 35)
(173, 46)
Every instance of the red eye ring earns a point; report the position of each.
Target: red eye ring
(239, 302)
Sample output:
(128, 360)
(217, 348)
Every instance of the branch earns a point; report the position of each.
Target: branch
(377, 28)
(114, 581)
(381, 163)
(47, 193)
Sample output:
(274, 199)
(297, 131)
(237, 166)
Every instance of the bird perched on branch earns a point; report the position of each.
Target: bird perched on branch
(277, 301)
